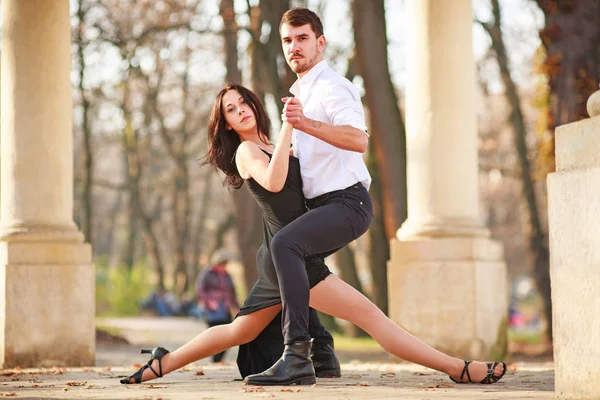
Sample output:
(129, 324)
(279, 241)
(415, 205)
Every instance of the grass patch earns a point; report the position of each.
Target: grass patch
(525, 337)
(347, 343)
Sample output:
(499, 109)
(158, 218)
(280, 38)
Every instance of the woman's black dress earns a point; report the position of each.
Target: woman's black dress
(278, 210)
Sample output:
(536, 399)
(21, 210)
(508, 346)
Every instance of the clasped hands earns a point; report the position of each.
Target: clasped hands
(293, 112)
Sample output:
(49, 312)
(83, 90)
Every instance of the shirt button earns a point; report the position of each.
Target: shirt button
(361, 203)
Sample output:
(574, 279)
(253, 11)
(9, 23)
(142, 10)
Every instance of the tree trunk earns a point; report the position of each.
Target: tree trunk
(249, 232)
(278, 80)
(128, 253)
(151, 241)
(181, 216)
(570, 36)
(537, 238)
(87, 197)
(197, 246)
(224, 227)
(110, 228)
(348, 272)
(248, 217)
(230, 36)
(379, 251)
(134, 174)
(385, 120)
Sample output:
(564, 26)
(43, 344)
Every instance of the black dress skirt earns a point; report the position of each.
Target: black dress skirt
(278, 210)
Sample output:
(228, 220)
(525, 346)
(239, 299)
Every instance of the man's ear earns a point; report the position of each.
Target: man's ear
(321, 42)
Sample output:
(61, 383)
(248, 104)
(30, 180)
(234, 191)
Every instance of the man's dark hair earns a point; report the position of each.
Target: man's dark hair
(301, 16)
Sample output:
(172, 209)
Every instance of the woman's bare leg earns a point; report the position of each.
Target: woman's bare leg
(214, 340)
(335, 297)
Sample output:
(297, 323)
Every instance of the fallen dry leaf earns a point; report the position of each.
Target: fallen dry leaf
(199, 372)
(77, 383)
(253, 389)
(444, 385)
(7, 394)
(419, 373)
(289, 390)
(267, 395)
(65, 389)
(9, 373)
(151, 386)
(388, 375)
(357, 376)
(511, 368)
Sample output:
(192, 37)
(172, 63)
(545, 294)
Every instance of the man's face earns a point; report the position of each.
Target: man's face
(301, 47)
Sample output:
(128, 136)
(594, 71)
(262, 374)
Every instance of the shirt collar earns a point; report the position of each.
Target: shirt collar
(307, 80)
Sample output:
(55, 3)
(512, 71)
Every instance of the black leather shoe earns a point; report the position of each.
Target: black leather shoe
(323, 357)
(293, 368)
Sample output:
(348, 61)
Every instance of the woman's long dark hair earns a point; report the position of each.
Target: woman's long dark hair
(223, 143)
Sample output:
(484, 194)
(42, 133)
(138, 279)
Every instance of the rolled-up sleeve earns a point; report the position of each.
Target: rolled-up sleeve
(343, 106)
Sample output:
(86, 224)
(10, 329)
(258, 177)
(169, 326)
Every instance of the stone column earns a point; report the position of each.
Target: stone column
(446, 278)
(574, 227)
(46, 272)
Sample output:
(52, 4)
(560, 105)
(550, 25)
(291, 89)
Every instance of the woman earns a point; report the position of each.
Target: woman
(240, 148)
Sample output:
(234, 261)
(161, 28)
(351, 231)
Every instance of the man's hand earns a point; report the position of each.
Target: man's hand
(292, 112)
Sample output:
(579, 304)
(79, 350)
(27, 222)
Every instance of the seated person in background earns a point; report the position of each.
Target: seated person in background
(161, 302)
(216, 294)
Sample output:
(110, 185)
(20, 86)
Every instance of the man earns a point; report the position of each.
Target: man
(329, 137)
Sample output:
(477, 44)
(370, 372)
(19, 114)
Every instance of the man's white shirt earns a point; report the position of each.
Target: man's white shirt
(328, 97)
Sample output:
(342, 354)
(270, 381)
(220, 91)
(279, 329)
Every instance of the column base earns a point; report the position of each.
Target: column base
(47, 304)
(15, 231)
(441, 227)
(574, 213)
(451, 293)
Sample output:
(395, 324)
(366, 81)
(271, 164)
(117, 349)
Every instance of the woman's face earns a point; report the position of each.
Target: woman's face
(238, 114)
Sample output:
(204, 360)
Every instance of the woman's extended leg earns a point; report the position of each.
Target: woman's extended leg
(215, 340)
(335, 297)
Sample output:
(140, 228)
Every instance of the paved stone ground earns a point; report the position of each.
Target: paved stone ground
(203, 380)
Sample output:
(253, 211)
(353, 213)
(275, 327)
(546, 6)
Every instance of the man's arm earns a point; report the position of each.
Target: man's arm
(345, 137)
(343, 109)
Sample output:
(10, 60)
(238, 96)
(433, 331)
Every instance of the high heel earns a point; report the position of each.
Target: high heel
(489, 377)
(157, 354)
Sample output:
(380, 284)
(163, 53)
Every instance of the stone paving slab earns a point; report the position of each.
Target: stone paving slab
(359, 381)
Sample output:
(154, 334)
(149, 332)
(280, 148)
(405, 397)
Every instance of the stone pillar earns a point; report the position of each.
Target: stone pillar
(574, 227)
(446, 278)
(47, 301)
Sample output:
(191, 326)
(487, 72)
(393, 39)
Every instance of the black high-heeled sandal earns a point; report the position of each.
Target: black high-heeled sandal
(157, 354)
(489, 377)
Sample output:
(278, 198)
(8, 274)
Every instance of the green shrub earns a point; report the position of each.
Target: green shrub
(119, 291)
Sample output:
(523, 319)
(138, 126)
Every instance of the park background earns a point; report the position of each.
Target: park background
(145, 74)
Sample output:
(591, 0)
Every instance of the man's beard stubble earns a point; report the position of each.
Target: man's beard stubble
(300, 69)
